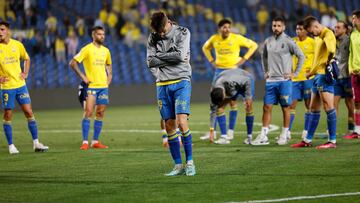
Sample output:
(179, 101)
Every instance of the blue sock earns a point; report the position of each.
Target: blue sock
(307, 121)
(33, 128)
(222, 123)
(8, 131)
(232, 118)
(97, 128)
(313, 123)
(174, 146)
(292, 117)
(85, 129)
(186, 139)
(331, 124)
(249, 123)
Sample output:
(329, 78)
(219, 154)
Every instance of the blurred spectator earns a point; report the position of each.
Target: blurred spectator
(131, 33)
(51, 22)
(30, 18)
(2, 10)
(10, 14)
(252, 3)
(142, 7)
(262, 17)
(80, 26)
(112, 22)
(67, 24)
(60, 49)
(329, 20)
(72, 43)
(164, 4)
(37, 43)
(103, 14)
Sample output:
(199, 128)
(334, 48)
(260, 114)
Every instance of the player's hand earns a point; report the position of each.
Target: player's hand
(87, 81)
(356, 72)
(308, 75)
(289, 76)
(213, 64)
(3, 79)
(23, 76)
(266, 75)
(109, 79)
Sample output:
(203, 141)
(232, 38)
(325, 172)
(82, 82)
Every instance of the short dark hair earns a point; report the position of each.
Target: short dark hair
(279, 18)
(300, 23)
(158, 21)
(308, 21)
(356, 13)
(96, 28)
(6, 24)
(346, 26)
(223, 22)
(217, 95)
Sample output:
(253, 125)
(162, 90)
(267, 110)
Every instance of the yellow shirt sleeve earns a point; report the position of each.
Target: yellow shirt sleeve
(108, 58)
(248, 43)
(81, 55)
(23, 54)
(330, 42)
(208, 46)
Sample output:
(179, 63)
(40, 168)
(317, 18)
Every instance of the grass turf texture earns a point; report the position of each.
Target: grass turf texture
(132, 169)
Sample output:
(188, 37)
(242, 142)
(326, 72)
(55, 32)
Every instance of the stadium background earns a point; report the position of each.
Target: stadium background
(53, 31)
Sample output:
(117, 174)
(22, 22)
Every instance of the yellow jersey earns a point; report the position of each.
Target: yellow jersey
(307, 47)
(325, 44)
(11, 55)
(227, 51)
(95, 59)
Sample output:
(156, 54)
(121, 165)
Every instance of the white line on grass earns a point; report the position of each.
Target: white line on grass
(301, 198)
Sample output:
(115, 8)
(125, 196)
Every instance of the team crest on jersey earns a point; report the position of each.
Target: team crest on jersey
(103, 54)
(160, 104)
(13, 49)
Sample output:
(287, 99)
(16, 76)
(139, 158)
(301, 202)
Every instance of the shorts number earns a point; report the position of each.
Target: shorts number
(6, 97)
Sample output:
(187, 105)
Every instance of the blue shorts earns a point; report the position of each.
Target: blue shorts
(101, 95)
(320, 85)
(21, 95)
(278, 92)
(174, 99)
(343, 88)
(302, 89)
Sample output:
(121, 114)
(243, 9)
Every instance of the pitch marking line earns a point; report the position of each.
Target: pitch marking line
(302, 198)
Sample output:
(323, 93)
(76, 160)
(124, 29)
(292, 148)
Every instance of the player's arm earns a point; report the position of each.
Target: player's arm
(252, 47)
(330, 42)
(350, 58)
(206, 49)
(24, 56)
(179, 52)
(152, 60)
(75, 67)
(295, 50)
(109, 73)
(264, 60)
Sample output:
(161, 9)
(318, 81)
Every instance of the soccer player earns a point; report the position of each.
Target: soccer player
(301, 86)
(168, 50)
(342, 87)
(354, 69)
(322, 90)
(227, 47)
(98, 74)
(13, 87)
(277, 63)
(227, 87)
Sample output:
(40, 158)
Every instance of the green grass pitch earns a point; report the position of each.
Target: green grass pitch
(132, 169)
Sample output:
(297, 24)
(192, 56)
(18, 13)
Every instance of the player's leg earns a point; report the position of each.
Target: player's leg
(166, 105)
(182, 96)
(308, 84)
(232, 118)
(349, 102)
(327, 98)
(8, 103)
(270, 98)
(85, 124)
(297, 94)
(285, 90)
(102, 100)
(355, 82)
(221, 119)
(164, 134)
(249, 119)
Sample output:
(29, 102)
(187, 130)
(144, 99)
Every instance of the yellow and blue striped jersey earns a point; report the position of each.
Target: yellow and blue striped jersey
(11, 55)
(307, 47)
(227, 51)
(95, 59)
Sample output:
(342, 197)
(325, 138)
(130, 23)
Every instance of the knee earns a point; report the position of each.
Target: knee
(88, 113)
(267, 108)
(100, 114)
(7, 116)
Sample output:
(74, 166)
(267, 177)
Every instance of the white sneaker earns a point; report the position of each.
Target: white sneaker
(207, 136)
(288, 135)
(247, 141)
(283, 140)
(222, 140)
(39, 147)
(230, 135)
(260, 140)
(13, 150)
